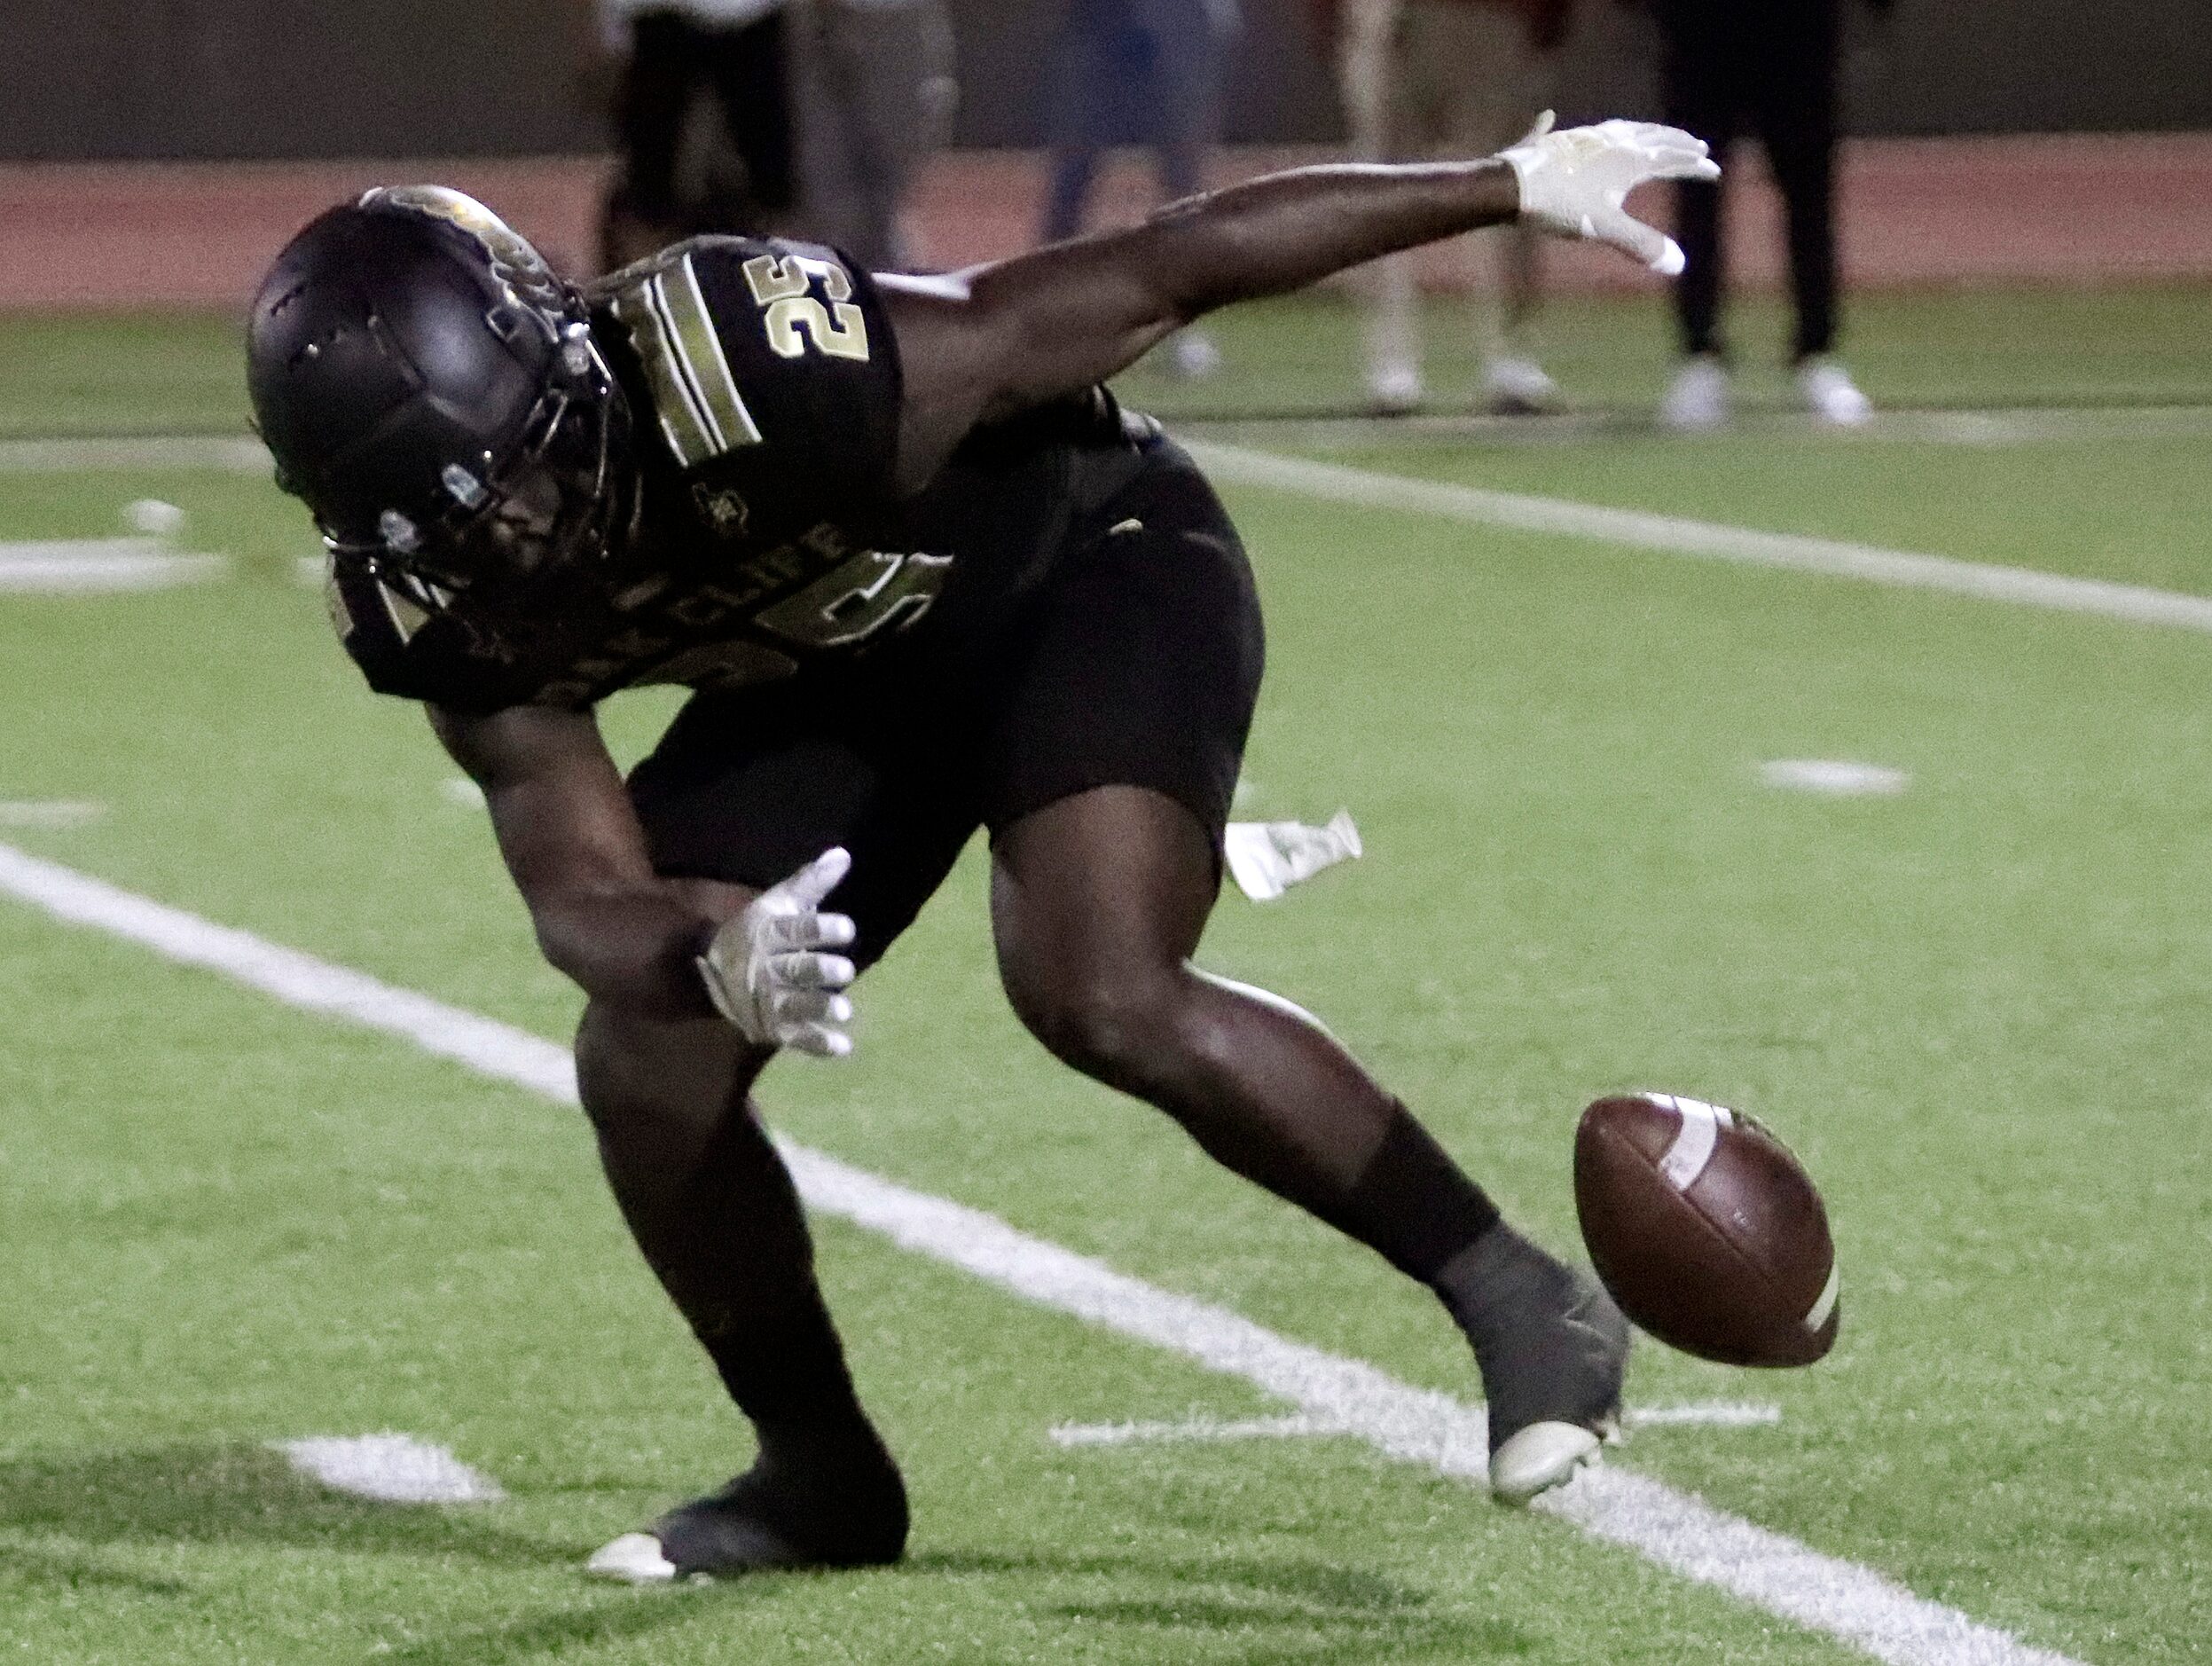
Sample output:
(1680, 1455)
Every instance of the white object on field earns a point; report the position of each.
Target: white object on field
(1268, 858)
(51, 815)
(636, 1559)
(461, 791)
(391, 1468)
(1834, 777)
(1831, 395)
(152, 517)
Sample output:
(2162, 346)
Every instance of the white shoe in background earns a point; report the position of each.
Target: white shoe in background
(1394, 389)
(1193, 355)
(1696, 402)
(1512, 386)
(1832, 395)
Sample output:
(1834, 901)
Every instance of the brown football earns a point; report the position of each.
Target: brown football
(1708, 1232)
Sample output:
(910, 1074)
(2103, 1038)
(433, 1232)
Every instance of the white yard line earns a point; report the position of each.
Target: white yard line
(1824, 1594)
(1190, 1430)
(1707, 540)
(235, 455)
(87, 565)
(1718, 1415)
(1983, 429)
(50, 815)
(241, 454)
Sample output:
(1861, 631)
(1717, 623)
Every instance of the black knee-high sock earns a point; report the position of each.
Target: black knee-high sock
(730, 1245)
(1411, 1204)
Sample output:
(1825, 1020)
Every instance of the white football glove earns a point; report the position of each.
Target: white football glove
(1575, 181)
(765, 969)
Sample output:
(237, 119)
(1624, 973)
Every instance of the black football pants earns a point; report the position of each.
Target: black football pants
(1762, 67)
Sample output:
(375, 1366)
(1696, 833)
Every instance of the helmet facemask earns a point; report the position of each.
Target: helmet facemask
(555, 505)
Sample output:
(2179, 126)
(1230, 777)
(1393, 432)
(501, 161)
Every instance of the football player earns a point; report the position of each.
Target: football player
(924, 576)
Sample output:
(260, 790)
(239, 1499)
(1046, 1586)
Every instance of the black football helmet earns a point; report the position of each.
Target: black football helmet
(431, 390)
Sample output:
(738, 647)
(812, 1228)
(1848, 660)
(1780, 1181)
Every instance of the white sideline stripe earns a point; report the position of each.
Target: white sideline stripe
(1717, 1415)
(100, 564)
(1704, 540)
(391, 1468)
(1922, 425)
(230, 455)
(50, 815)
(1194, 1429)
(241, 454)
(1824, 1594)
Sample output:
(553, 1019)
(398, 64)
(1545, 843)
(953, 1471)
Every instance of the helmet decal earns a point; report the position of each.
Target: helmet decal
(511, 254)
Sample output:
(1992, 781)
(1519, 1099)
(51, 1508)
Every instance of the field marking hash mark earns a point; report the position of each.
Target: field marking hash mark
(1677, 1531)
(389, 1468)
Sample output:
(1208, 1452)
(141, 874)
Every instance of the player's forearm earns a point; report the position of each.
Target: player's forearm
(1282, 233)
(1267, 237)
(579, 857)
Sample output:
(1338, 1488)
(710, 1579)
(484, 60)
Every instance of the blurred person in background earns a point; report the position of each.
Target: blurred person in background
(1152, 68)
(1767, 67)
(1435, 78)
(874, 93)
(668, 185)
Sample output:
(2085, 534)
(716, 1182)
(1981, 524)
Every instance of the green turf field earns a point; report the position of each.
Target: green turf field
(1976, 1008)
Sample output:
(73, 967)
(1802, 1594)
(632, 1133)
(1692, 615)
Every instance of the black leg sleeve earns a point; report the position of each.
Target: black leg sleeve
(1699, 75)
(752, 81)
(1797, 121)
(656, 88)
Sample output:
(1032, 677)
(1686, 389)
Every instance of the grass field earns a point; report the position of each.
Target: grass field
(1975, 1007)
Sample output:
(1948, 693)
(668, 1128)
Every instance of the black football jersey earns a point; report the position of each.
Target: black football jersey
(763, 380)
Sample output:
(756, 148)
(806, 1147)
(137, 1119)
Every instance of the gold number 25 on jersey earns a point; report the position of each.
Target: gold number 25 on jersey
(794, 320)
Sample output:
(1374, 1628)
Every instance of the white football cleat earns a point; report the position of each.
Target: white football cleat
(1832, 395)
(1540, 1456)
(1696, 402)
(636, 1559)
(1539, 1459)
(1394, 389)
(1514, 386)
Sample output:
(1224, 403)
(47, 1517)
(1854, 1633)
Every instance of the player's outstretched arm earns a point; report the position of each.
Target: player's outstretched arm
(991, 341)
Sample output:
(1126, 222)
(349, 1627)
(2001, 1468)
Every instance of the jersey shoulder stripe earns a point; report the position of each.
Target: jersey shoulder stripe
(701, 413)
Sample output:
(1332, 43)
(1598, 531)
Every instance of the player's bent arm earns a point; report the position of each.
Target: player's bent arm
(991, 341)
(578, 853)
(768, 961)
